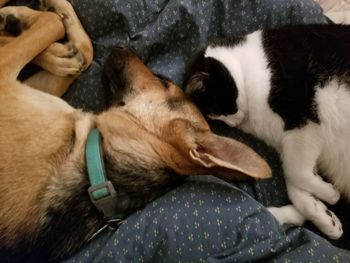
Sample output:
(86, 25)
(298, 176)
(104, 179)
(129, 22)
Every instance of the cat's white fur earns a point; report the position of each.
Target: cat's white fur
(325, 145)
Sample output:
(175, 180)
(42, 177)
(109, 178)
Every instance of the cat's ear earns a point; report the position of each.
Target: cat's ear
(203, 152)
(197, 83)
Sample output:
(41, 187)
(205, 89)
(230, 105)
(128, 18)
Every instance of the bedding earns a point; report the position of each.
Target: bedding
(337, 10)
(205, 219)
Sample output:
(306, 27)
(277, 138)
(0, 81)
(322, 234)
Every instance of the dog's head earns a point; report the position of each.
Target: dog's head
(153, 133)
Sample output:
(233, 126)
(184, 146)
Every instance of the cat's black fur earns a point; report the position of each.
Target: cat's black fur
(301, 57)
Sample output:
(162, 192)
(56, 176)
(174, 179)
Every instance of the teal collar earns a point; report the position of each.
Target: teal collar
(101, 191)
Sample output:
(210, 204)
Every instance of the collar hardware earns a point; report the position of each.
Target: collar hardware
(104, 198)
(102, 192)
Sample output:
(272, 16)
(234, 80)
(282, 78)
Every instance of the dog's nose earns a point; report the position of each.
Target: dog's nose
(124, 47)
(121, 46)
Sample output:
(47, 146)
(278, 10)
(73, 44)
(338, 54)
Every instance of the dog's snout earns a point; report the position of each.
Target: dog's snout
(123, 51)
(121, 46)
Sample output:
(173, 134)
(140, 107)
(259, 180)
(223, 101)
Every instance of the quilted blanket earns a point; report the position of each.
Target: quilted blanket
(205, 219)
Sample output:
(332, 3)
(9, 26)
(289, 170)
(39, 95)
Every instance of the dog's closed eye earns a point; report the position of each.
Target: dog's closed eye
(164, 80)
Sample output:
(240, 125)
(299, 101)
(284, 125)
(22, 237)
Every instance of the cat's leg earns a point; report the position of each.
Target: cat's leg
(300, 150)
(307, 207)
(287, 215)
(315, 211)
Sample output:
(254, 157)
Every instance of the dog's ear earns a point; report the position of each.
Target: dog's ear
(228, 158)
(210, 153)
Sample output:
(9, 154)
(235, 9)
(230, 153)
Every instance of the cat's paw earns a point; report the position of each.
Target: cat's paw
(232, 120)
(327, 192)
(326, 221)
(330, 224)
(311, 183)
(287, 214)
(314, 210)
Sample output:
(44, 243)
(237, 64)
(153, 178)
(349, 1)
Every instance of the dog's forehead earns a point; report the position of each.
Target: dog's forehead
(153, 99)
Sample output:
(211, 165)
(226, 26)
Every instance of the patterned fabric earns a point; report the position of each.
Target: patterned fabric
(166, 33)
(205, 219)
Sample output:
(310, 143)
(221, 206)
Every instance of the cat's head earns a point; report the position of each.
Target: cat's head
(210, 82)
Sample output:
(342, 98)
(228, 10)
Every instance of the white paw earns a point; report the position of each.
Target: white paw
(232, 120)
(330, 225)
(326, 221)
(327, 192)
(287, 215)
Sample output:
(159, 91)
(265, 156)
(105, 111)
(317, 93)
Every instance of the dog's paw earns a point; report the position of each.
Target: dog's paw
(15, 19)
(10, 24)
(74, 30)
(48, 5)
(62, 60)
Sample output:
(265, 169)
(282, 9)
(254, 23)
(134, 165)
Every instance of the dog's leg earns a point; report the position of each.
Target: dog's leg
(3, 2)
(43, 80)
(76, 34)
(66, 60)
(4, 40)
(50, 83)
(44, 28)
(62, 60)
(59, 59)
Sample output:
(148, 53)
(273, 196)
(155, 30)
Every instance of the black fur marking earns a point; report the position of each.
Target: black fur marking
(211, 86)
(66, 229)
(164, 80)
(13, 25)
(301, 58)
(175, 104)
(228, 42)
(136, 186)
(114, 78)
(329, 213)
(69, 226)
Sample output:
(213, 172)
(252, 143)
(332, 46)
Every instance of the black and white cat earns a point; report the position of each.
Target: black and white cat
(290, 87)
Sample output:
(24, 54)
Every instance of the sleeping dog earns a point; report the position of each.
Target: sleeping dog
(64, 173)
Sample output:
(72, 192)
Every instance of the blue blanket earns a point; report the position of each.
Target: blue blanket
(205, 219)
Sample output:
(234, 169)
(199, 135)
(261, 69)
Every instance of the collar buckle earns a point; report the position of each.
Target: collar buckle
(104, 198)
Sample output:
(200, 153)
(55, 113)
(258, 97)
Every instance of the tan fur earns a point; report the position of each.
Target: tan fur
(37, 129)
(42, 138)
(3, 2)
